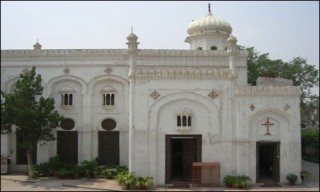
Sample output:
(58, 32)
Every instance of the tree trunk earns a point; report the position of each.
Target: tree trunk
(30, 166)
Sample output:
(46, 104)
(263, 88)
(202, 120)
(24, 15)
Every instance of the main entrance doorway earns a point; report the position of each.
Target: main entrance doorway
(181, 152)
(268, 159)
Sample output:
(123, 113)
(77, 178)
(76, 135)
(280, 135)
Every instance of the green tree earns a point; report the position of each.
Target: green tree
(32, 114)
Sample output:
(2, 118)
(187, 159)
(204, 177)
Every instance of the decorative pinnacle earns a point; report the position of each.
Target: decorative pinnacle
(209, 7)
(131, 29)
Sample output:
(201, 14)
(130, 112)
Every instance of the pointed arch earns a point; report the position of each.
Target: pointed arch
(281, 118)
(205, 102)
(62, 78)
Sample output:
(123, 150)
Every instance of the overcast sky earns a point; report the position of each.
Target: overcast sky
(285, 29)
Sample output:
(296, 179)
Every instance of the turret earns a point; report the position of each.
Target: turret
(232, 51)
(37, 45)
(132, 50)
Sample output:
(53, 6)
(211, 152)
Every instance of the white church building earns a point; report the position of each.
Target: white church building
(157, 111)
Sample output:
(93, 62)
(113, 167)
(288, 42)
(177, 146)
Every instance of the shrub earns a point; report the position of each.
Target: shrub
(292, 178)
(305, 175)
(143, 182)
(110, 173)
(90, 168)
(126, 179)
(242, 181)
(121, 169)
(62, 173)
(229, 180)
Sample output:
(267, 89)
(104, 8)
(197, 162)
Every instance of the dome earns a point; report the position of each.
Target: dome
(209, 24)
(37, 45)
(132, 37)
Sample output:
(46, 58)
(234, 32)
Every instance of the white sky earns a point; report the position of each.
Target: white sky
(285, 29)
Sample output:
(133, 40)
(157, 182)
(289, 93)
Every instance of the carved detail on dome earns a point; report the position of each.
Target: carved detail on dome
(209, 24)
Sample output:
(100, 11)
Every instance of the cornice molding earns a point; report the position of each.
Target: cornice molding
(268, 91)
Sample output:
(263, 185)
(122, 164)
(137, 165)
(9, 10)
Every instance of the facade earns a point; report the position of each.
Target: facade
(157, 111)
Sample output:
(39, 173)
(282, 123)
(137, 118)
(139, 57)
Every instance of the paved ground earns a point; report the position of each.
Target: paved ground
(19, 182)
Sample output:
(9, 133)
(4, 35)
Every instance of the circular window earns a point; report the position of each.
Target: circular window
(108, 124)
(67, 124)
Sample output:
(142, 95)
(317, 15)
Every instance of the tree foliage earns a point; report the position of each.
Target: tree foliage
(32, 114)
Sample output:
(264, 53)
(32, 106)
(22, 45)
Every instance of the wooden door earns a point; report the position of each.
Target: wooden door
(189, 156)
(276, 162)
(67, 146)
(168, 159)
(108, 147)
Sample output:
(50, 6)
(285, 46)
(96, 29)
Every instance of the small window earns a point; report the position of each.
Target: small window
(184, 121)
(67, 96)
(108, 124)
(66, 99)
(178, 120)
(108, 99)
(213, 48)
(67, 124)
(199, 48)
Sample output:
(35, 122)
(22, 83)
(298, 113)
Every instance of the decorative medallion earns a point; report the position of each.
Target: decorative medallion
(213, 94)
(286, 107)
(66, 70)
(155, 95)
(252, 107)
(267, 124)
(108, 70)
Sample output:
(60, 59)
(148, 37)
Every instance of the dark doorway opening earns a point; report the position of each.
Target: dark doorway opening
(22, 153)
(67, 146)
(181, 152)
(268, 157)
(176, 159)
(108, 148)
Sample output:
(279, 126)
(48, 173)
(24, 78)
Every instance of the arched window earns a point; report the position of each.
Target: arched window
(108, 97)
(67, 96)
(213, 48)
(199, 48)
(184, 121)
(184, 116)
(178, 120)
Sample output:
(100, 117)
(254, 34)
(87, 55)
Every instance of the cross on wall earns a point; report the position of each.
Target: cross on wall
(267, 124)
